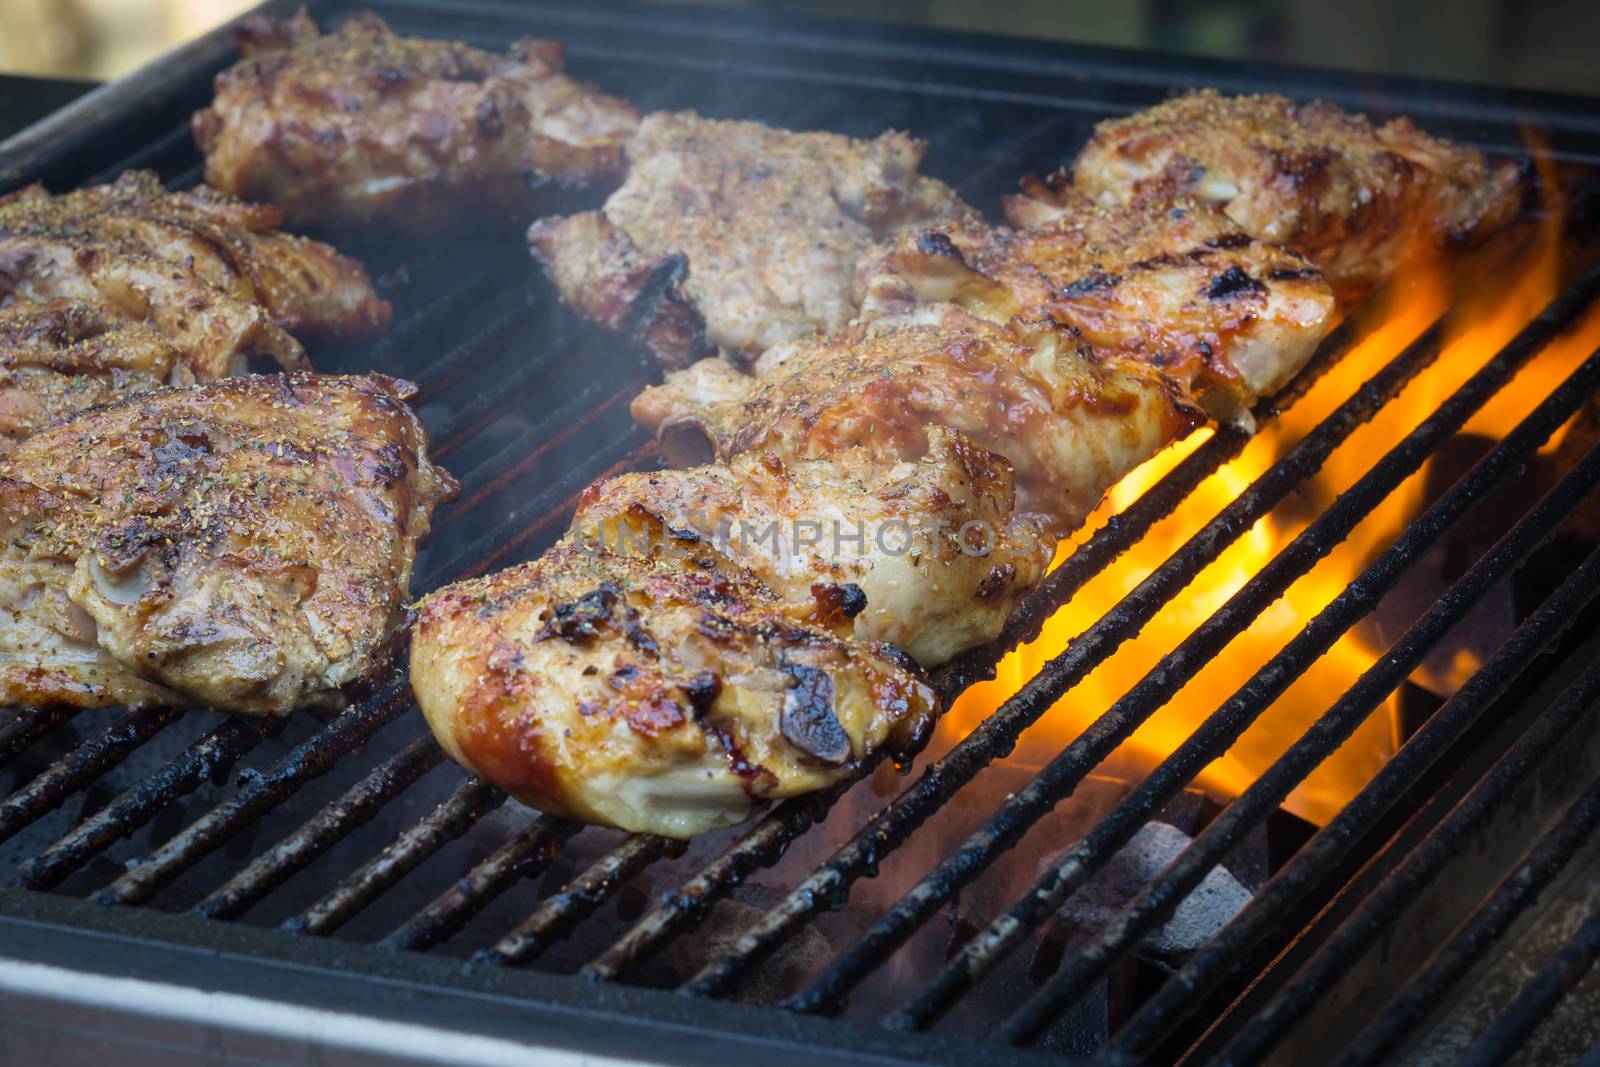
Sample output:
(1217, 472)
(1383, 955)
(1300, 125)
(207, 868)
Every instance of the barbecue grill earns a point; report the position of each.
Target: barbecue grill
(192, 886)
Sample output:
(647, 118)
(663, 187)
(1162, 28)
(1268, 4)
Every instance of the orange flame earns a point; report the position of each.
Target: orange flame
(1412, 308)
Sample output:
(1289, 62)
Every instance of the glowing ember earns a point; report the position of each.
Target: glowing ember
(1518, 294)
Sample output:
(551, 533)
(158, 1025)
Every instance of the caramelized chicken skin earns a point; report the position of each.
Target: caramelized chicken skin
(63, 357)
(928, 555)
(307, 287)
(1173, 284)
(1070, 420)
(245, 545)
(361, 125)
(748, 232)
(667, 695)
(1353, 197)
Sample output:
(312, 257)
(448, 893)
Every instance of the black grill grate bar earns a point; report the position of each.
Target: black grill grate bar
(457, 813)
(997, 734)
(85, 763)
(259, 793)
(1539, 998)
(687, 905)
(209, 757)
(526, 854)
(558, 913)
(1356, 934)
(1313, 864)
(27, 726)
(1548, 857)
(1063, 773)
(763, 845)
(1335, 726)
(358, 804)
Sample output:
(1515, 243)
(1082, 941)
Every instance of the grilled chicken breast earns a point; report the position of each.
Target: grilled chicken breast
(307, 288)
(735, 235)
(667, 695)
(245, 545)
(360, 125)
(928, 555)
(1353, 197)
(1175, 285)
(1070, 420)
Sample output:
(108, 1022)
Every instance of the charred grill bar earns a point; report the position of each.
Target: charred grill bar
(527, 406)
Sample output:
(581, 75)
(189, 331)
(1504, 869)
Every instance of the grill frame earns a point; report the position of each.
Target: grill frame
(78, 144)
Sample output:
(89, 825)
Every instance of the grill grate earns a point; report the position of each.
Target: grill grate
(359, 828)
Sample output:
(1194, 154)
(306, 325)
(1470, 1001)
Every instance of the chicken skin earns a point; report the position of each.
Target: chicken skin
(1353, 197)
(1175, 285)
(362, 126)
(732, 236)
(1070, 420)
(218, 333)
(60, 358)
(306, 287)
(668, 695)
(245, 545)
(928, 556)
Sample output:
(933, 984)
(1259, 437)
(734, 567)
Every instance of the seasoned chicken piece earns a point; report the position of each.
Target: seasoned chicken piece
(245, 545)
(1071, 420)
(1175, 285)
(362, 126)
(60, 358)
(755, 231)
(1354, 198)
(926, 556)
(652, 694)
(307, 287)
(216, 331)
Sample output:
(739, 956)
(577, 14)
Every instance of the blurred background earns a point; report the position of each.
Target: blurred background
(1536, 44)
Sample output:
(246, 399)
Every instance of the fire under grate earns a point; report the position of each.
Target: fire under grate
(978, 906)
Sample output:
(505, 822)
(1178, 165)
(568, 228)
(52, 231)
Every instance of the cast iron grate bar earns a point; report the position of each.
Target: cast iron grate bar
(358, 804)
(1482, 930)
(1157, 900)
(1221, 730)
(472, 800)
(1539, 998)
(526, 854)
(1403, 886)
(27, 726)
(258, 793)
(208, 758)
(1315, 862)
(86, 763)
